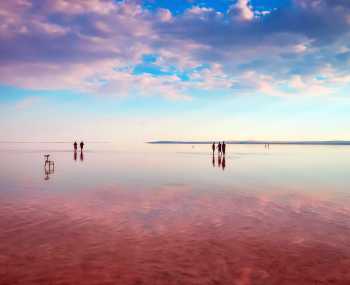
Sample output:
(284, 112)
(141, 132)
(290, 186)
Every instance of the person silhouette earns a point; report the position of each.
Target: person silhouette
(75, 146)
(223, 164)
(213, 147)
(223, 148)
(81, 146)
(219, 148)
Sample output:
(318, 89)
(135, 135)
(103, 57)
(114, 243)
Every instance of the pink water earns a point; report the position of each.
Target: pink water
(167, 216)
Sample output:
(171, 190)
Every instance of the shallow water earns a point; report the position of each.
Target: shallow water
(167, 214)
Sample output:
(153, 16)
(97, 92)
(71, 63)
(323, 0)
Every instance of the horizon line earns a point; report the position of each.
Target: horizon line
(53, 141)
(258, 142)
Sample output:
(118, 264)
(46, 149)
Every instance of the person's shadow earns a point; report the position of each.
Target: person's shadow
(81, 156)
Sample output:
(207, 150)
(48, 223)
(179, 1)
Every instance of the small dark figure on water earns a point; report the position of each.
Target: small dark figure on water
(213, 147)
(75, 146)
(223, 164)
(219, 148)
(213, 161)
(75, 155)
(223, 148)
(81, 146)
(219, 161)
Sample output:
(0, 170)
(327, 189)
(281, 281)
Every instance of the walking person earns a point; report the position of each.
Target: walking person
(75, 146)
(223, 148)
(219, 148)
(213, 147)
(81, 146)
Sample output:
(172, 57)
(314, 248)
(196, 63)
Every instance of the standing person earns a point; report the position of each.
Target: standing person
(223, 148)
(75, 146)
(81, 146)
(213, 147)
(219, 148)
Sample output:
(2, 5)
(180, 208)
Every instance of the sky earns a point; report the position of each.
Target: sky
(133, 71)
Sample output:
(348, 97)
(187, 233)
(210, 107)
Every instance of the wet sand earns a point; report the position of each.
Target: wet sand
(171, 233)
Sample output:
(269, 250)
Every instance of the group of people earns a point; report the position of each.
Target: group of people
(76, 146)
(221, 148)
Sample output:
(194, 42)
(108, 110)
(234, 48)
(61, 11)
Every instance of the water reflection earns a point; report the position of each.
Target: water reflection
(49, 167)
(81, 156)
(270, 219)
(221, 160)
(48, 172)
(172, 234)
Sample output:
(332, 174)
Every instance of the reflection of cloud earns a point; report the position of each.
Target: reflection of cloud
(139, 234)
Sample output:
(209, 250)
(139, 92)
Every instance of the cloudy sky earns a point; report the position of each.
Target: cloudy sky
(133, 71)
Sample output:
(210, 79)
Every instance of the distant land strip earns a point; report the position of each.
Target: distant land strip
(333, 142)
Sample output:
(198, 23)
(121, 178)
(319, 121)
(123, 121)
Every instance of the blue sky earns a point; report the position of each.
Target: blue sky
(133, 71)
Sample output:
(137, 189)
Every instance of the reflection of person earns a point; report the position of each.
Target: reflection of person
(75, 146)
(75, 156)
(213, 147)
(81, 156)
(81, 146)
(219, 161)
(213, 161)
(223, 163)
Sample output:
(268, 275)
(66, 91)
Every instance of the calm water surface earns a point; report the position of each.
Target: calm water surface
(172, 214)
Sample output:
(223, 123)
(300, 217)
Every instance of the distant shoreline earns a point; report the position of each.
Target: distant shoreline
(345, 143)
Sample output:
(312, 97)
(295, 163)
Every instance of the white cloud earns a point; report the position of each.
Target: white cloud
(164, 15)
(241, 11)
(99, 53)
